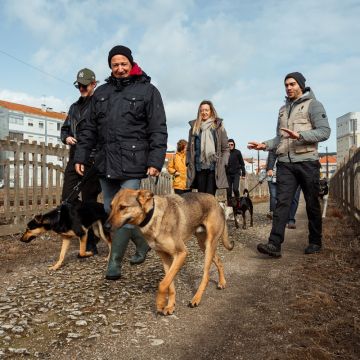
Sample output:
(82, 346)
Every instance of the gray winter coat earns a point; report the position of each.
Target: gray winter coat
(222, 156)
(312, 125)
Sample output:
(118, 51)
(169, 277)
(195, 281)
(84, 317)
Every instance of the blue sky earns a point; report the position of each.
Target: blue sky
(235, 53)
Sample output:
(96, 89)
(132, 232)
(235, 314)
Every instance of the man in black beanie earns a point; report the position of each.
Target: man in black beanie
(302, 124)
(128, 127)
(235, 168)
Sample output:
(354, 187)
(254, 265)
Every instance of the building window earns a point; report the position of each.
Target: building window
(58, 126)
(41, 125)
(30, 123)
(16, 119)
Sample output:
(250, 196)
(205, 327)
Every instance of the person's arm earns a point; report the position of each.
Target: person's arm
(157, 132)
(171, 166)
(319, 120)
(225, 152)
(271, 160)
(66, 135)
(242, 164)
(87, 138)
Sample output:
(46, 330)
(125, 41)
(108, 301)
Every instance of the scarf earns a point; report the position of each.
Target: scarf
(208, 152)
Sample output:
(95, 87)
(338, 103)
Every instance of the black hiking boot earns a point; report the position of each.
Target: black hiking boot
(269, 249)
(312, 249)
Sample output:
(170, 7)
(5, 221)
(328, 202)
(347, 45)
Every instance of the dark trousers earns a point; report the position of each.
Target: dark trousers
(233, 181)
(289, 176)
(89, 190)
(180, 192)
(206, 181)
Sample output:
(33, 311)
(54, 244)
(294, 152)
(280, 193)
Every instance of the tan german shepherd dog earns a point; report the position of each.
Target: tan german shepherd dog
(167, 223)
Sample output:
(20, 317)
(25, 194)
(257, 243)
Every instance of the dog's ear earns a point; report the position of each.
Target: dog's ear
(144, 196)
(38, 218)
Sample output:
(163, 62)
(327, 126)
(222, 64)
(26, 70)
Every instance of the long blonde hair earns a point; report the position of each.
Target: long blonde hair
(213, 114)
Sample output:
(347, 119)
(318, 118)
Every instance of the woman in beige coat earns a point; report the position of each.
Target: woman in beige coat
(208, 151)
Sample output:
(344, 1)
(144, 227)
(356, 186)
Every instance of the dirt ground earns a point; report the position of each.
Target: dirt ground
(296, 307)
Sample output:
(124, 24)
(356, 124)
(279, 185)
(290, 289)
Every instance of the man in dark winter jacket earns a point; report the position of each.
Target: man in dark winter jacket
(302, 124)
(234, 169)
(76, 119)
(127, 126)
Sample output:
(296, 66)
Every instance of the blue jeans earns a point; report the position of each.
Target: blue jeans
(111, 187)
(294, 206)
(272, 191)
(294, 203)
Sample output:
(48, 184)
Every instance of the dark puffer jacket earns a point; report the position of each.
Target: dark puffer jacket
(127, 125)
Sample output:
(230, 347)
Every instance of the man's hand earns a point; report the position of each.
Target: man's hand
(152, 171)
(70, 140)
(270, 173)
(80, 168)
(292, 134)
(256, 145)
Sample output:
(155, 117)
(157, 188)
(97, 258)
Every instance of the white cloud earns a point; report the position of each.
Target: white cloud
(26, 99)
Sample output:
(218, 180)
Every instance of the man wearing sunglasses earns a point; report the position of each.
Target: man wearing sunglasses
(75, 121)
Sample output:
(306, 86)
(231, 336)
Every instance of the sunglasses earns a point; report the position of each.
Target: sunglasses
(79, 86)
(231, 144)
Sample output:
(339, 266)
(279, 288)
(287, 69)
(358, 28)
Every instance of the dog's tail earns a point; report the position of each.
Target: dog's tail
(246, 193)
(229, 245)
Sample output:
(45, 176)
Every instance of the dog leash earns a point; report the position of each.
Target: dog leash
(77, 188)
(255, 186)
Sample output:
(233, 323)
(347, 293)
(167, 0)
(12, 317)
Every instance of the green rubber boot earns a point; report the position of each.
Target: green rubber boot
(119, 244)
(142, 248)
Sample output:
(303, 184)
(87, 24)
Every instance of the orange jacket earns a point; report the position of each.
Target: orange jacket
(177, 168)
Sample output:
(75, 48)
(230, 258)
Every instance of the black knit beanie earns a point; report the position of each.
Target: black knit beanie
(120, 50)
(299, 77)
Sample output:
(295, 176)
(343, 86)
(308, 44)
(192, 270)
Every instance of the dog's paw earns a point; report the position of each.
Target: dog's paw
(54, 267)
(85, 254)
(168, 310)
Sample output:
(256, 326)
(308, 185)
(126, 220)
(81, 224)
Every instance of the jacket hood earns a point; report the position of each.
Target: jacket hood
(307, 95)
(136, 74)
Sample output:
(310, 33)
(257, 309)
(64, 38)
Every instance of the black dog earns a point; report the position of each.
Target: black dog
(70, 220)
(240, 206)
(324, 188)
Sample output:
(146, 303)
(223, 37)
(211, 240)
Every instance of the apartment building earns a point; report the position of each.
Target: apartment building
(347, 134)
(22, 122)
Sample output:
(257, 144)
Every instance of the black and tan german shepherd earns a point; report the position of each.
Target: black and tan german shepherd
(240, 206)
(70, 220)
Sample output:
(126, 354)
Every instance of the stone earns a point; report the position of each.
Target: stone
(81, 323)
(156, 342)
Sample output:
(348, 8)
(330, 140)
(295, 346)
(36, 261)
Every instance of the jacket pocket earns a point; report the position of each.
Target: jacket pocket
(134, 105)
(101, 106)
(301, 124)
(299, 149)
(134, 157)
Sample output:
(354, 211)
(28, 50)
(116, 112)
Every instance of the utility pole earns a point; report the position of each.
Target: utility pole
(327, 164)
(258, 167)
(354, 126)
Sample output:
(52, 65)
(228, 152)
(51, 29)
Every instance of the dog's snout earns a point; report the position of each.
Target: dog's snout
(107, 226)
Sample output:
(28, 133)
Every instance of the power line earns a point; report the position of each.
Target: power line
(34, 67)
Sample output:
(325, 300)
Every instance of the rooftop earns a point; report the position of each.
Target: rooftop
(32, 110)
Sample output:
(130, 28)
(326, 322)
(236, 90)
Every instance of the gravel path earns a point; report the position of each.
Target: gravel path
(271, 309)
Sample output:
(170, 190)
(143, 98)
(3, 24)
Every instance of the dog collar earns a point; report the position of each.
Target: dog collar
(148, 216)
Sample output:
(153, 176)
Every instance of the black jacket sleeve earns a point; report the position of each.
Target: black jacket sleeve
(87, 136)
(242, 164)
(156, 130)
(66, 127)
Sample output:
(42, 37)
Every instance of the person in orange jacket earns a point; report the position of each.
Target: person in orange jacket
(177, 168)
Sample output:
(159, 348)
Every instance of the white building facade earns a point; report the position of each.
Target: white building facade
(347, 134)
